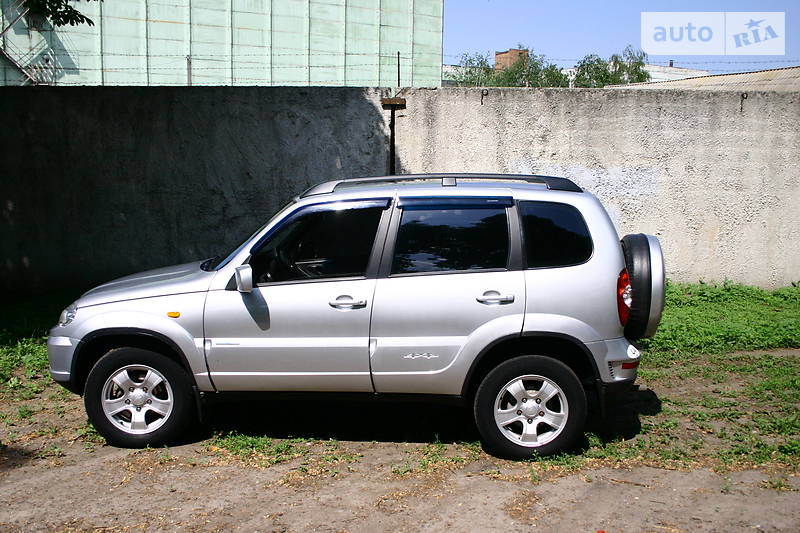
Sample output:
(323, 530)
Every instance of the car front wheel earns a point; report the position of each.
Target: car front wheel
(137, 398)
(530, 405)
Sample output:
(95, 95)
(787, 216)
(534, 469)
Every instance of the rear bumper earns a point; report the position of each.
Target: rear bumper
(617, 360)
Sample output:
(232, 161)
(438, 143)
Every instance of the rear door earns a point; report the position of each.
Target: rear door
(448, 272)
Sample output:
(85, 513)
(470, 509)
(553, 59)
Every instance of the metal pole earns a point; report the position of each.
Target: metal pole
(189, 71)
(393, 104)
(398, 74)
(392, 165)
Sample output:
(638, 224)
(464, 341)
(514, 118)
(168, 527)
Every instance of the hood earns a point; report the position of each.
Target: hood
(176, 279)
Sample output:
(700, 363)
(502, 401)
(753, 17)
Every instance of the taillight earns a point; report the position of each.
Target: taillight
(624, 296)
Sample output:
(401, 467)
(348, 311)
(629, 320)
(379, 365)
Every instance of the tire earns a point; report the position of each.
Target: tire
(127, 412)
(637, 260)
(510, 435)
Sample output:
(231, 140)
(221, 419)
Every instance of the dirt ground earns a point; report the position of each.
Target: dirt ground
(342, 466)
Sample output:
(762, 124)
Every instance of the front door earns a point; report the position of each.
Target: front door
(305, 325)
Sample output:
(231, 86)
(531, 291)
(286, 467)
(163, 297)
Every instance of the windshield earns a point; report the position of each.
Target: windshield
(219, 261)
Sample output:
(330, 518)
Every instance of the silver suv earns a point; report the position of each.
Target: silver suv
(513, 294)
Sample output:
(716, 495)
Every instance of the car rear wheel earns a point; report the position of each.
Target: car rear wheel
(137, 398)
(530, 405)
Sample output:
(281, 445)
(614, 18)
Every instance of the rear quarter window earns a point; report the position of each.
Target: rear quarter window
(554, 235)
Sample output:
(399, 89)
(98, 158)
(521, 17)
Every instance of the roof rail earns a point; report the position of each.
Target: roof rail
(447, 180)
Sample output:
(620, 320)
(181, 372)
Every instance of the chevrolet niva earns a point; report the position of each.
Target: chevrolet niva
(513, 294)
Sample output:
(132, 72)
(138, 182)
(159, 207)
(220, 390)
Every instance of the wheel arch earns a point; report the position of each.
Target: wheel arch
(97, 343)
(565, 348)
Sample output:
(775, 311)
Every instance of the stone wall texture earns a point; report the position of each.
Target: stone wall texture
(715, 175)
(102, 182)
(96, 183)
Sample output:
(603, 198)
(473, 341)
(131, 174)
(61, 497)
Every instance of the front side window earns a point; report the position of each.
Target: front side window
(554, 234)
(317, 244)
(433, 240)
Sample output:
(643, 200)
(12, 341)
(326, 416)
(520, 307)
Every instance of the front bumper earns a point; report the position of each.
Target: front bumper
(60, 352)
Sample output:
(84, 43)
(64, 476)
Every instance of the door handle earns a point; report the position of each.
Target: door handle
(347, 302)
(494, 297)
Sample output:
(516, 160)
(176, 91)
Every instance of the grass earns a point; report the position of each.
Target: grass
(23, 343)
(50, 452)
(24, 412)
(255, 449)
(90, 437)
(719, 407)
(717, 319)
(436, 456)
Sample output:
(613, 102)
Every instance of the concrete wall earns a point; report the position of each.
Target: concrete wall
(714, 175)
(97, 183)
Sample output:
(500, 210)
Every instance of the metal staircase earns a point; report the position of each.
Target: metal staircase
(28, 63)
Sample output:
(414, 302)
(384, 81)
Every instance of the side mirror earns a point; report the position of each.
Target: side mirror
(244, 278)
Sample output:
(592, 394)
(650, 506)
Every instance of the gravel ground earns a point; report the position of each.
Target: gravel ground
(373, 467)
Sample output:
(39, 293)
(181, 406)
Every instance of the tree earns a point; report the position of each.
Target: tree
(628, 67)
(58, 12)
(592, 71)
(529, 70)
(474, 70)
(635, 61)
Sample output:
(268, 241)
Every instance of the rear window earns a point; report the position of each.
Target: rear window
(555, 235)
(435, 240)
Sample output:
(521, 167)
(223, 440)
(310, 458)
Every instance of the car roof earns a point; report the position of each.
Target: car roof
(450, 183)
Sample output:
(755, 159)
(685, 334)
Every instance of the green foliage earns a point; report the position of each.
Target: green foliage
(402, 469)
(754, 414)
(23, 366)
(592, 71)
(255, 449)
(90, 437)
(23, 345)
(58, 12)
(434, 455)
(531, 70)
(50, 452)
(474, 70)
(29, 355)
(628, 67)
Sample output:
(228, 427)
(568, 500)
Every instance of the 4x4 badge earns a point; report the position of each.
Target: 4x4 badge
(426, 355)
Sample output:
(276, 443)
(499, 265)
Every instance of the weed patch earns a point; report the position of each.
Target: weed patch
(255, 450)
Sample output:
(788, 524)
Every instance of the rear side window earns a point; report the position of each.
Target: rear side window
(554, 234)
(434, 240)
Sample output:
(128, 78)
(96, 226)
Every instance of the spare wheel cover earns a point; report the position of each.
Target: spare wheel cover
(637, 260)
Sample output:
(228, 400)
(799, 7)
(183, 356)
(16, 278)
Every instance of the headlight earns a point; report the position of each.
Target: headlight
(67, 315)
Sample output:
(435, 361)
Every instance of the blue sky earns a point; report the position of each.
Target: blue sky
(567, 31)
